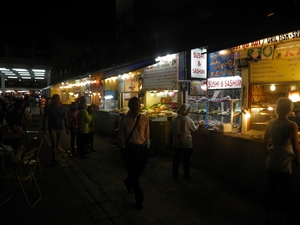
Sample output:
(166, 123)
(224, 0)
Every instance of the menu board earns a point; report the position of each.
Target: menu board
(160, 77)
(285, 67)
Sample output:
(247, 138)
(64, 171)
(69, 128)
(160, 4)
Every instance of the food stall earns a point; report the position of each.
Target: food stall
(238, 156)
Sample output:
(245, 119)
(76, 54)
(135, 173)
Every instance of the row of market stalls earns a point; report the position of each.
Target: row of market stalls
(232, 91)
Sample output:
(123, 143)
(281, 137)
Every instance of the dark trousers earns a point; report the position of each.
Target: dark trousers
(278, 190)
(184, 153)
(73, 140)
(91, 139)
(135, 160)
(82, 143)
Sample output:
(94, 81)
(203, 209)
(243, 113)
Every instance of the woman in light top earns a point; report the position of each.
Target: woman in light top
(282, 149)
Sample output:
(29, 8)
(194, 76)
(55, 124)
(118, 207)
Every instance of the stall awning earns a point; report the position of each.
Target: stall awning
(127, 68)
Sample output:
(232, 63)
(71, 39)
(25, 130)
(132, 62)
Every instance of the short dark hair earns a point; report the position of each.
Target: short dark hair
(132, 100)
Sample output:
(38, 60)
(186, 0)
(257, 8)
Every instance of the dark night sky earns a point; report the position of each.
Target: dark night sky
(65, 20)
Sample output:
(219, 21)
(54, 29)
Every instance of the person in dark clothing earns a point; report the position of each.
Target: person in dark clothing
(55, 114)
(132, 147)
(73, 124)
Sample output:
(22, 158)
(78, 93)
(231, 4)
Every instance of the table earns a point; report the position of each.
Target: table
(12, 139)
(4, 155)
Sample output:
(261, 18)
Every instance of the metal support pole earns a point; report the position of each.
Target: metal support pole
(3, 85)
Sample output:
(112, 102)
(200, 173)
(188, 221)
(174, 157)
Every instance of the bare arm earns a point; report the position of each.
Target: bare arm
(66, 124)
(295, 141)
(266, 141)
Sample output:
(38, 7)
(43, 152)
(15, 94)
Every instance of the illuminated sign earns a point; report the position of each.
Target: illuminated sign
(224, 82)
(198, 63)
(295, 35)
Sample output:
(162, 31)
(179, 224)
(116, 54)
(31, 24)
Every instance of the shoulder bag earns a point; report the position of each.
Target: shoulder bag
(127, 139)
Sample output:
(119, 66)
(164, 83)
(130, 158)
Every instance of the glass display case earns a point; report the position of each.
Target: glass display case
(197, 110)
(224, 112)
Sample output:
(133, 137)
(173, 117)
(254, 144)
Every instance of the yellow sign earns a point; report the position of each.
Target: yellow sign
(285, 67)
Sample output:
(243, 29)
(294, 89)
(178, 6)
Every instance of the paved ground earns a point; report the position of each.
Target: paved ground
(91, 191)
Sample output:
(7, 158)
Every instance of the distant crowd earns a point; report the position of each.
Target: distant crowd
(14, 112)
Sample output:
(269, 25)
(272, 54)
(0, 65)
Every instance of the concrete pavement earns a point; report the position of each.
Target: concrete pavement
(91, 191)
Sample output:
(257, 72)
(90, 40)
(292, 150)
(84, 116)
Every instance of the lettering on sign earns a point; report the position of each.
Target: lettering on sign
(198, 64)
(161, 77)
(224, 83)
(284, 67)
(270, 40)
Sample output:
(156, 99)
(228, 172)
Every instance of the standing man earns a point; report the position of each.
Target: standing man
(133, 135)
(55, 114)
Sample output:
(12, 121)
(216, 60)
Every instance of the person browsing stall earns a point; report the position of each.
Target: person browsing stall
(182, 127)
(282, 149)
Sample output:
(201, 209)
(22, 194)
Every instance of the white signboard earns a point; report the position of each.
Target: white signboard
(161, 76)
(224, 82)
(198, 63)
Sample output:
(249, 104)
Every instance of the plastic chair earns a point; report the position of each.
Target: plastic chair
(27, 144)
(32, 128)
(22, 173)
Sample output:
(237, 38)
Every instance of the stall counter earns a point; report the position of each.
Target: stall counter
(234, 157)
(105, 122)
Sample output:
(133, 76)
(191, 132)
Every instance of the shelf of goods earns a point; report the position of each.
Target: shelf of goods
(222, 112)
(197, 110)
(218, 114)
(155, 111)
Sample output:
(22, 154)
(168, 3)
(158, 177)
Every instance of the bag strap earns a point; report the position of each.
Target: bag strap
(136, 122)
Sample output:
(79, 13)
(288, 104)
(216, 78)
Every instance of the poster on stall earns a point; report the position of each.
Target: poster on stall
(197, 88)
(220, 64)
(131, 84)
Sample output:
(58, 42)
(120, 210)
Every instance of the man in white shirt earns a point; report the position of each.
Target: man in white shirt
(133, 145)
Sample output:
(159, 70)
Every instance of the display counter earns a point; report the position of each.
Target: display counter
(105, 122)
(234, 157)
(160, 133)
